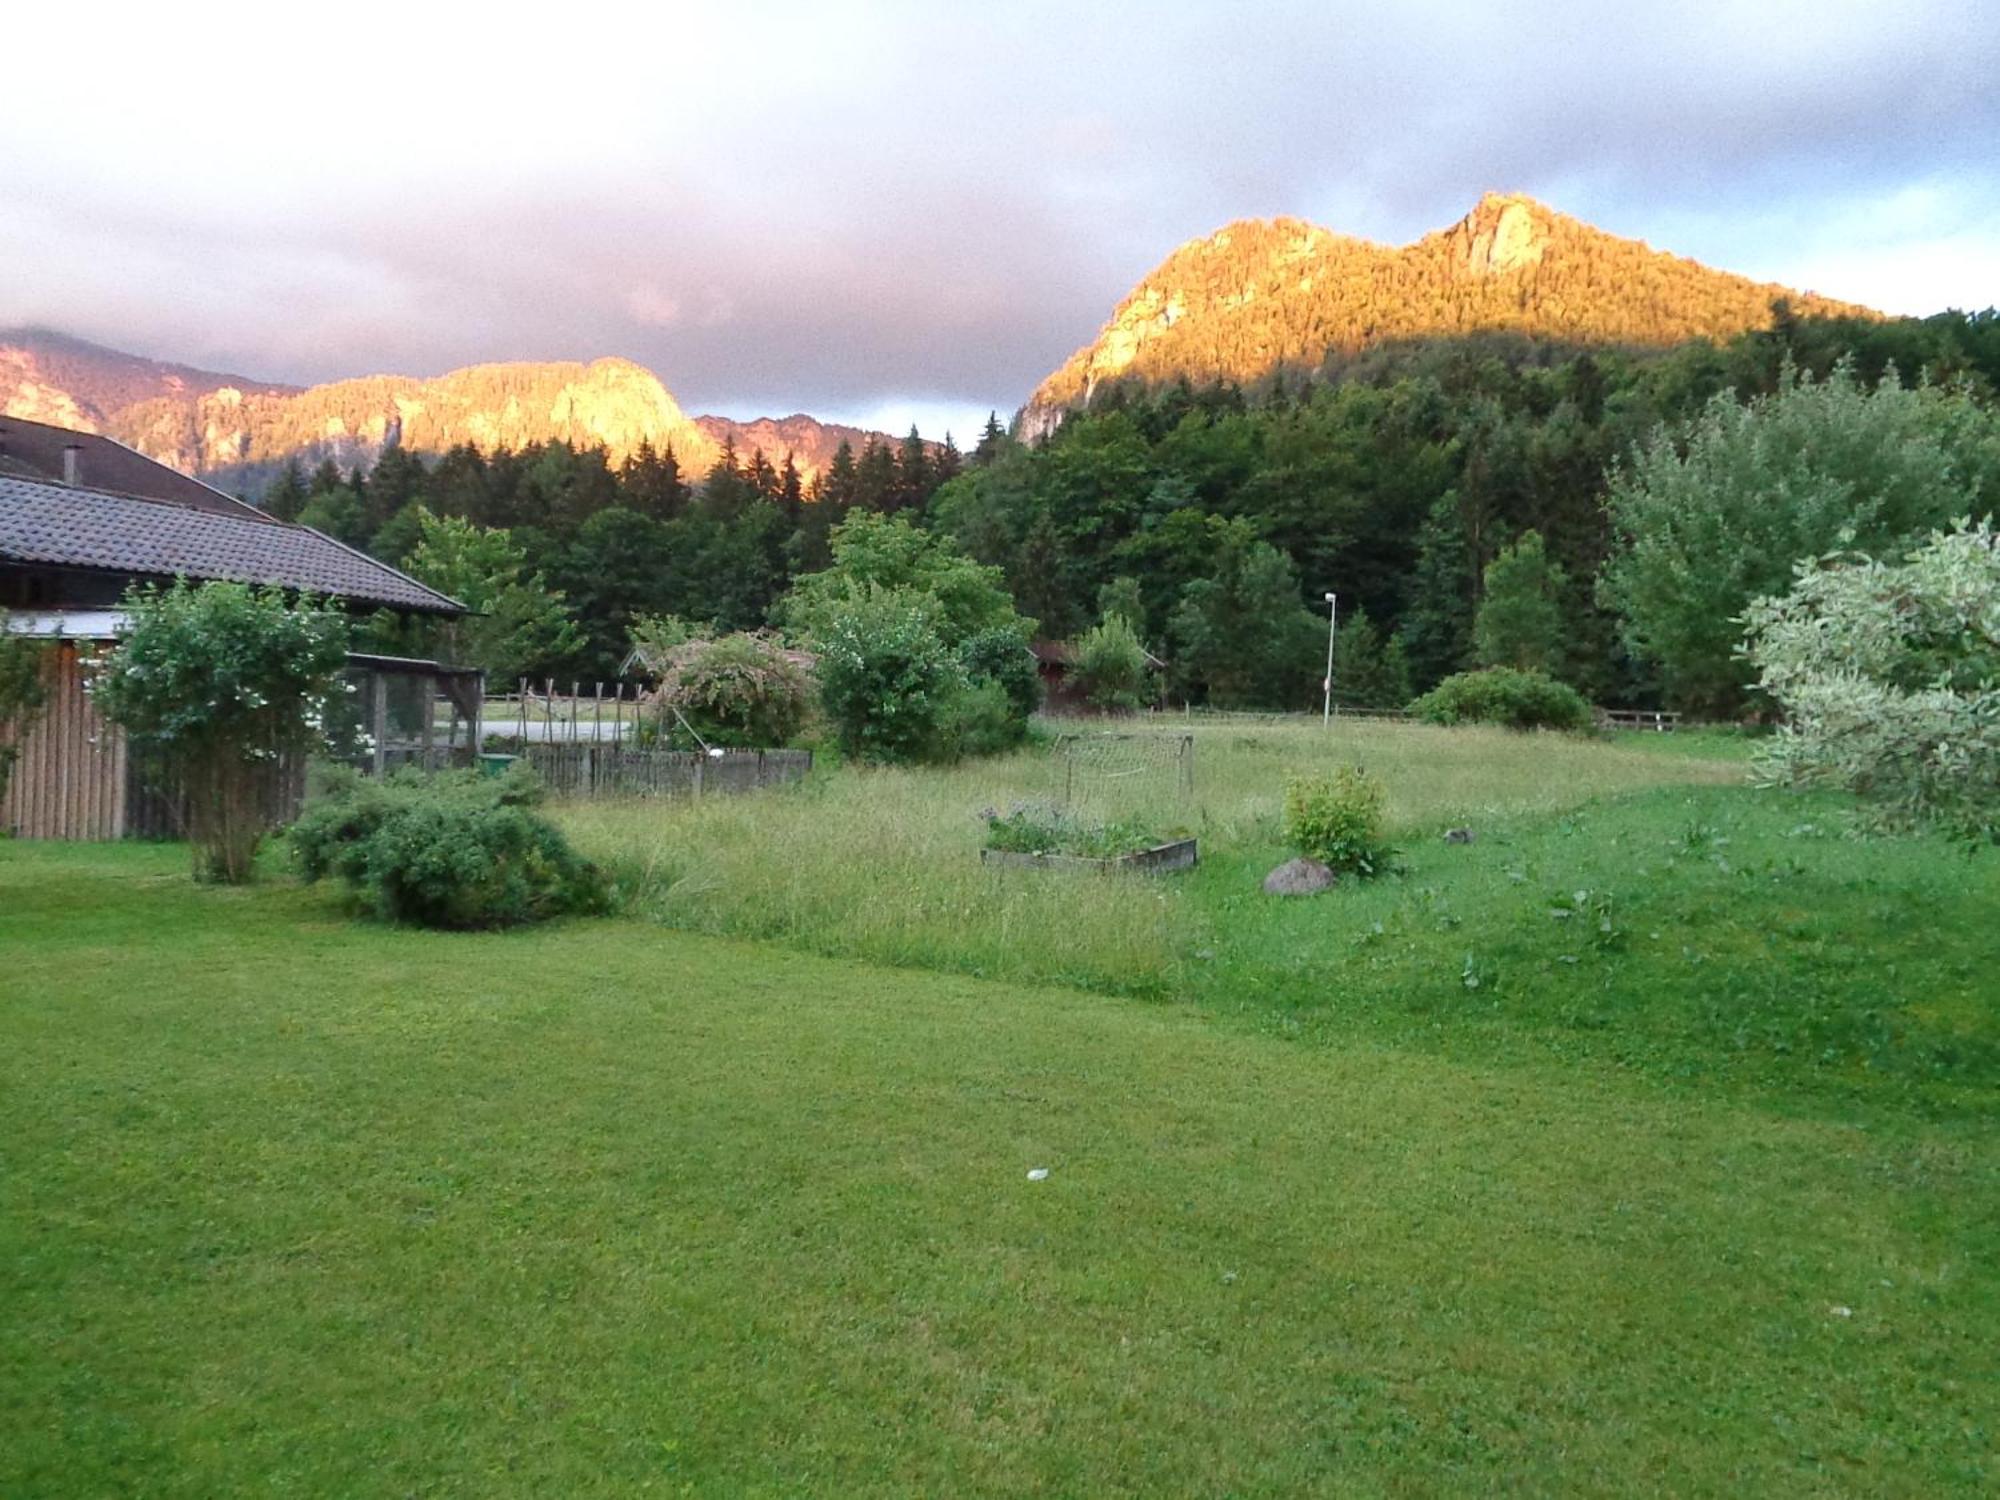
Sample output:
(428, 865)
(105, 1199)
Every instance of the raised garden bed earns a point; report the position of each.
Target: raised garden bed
(1161, 859)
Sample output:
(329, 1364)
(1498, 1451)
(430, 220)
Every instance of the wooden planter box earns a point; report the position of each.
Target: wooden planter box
(1158, 860)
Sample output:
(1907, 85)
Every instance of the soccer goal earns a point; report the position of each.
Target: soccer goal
(1117, 775)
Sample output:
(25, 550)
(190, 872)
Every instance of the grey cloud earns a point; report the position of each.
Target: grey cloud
(957, 198)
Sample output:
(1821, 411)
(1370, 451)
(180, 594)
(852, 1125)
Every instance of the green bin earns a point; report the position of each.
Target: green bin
(495, 765)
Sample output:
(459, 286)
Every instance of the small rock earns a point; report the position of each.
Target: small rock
(1459, 835)
(1298, 877)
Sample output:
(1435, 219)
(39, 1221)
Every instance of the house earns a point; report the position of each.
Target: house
(81, 519)
(1055, 664)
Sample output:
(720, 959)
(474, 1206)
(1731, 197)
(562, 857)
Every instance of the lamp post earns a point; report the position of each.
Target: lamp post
(1326, 712)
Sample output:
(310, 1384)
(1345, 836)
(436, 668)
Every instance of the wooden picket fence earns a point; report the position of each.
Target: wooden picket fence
(584, 769)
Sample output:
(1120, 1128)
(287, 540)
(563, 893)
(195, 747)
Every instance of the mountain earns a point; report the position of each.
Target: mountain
(50, 377)
(811, 442)
(238, 434)
(1263, 295)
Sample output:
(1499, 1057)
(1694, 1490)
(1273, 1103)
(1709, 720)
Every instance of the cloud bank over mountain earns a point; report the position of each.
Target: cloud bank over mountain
(863, 209)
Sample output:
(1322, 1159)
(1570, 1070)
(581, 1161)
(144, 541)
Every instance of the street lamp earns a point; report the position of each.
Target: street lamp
(1326, 713)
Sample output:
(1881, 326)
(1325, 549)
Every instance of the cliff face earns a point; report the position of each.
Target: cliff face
(1264, 295)
(239, 434)
(236, 438)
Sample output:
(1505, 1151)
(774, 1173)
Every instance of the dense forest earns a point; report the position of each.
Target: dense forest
(614, 541)
(1213, 516)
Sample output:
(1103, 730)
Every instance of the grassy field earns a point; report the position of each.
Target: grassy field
(883, 864)
(290, 1204)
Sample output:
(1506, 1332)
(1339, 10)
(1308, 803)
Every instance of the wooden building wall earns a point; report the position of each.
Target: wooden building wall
(71, 780)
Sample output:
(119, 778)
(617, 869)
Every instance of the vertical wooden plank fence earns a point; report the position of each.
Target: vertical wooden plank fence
(71, 779)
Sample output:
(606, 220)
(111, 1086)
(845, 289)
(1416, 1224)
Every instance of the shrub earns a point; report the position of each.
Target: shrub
(1337, 820)
(1504, 696)
(740, 690)
(1889, 676)
(886, 679)
(981, 721)
(217, 685)
(449, 849)
(1111, 665)
(1001, 656)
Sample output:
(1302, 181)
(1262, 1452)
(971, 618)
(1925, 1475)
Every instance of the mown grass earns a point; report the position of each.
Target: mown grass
(883, 864)
(293, 1204)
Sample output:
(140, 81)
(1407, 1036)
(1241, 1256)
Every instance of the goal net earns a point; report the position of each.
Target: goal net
(1113, 775)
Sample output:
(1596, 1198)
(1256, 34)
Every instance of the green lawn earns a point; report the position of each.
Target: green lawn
(295, 1205)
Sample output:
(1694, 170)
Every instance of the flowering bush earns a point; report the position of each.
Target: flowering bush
(740, 690)
(216, 685)
(1889, 677)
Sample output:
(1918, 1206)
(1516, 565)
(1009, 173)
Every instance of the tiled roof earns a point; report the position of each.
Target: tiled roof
(35, 449)
(61, 526)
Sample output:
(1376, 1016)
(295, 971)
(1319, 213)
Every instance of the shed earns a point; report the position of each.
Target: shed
(73, 540)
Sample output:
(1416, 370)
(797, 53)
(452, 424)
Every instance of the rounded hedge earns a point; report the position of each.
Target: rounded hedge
(1505, 696)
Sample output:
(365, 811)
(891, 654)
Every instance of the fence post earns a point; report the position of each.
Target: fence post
(379, 720)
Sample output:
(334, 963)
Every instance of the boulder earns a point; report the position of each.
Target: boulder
(1298, 877)
(1459, 835)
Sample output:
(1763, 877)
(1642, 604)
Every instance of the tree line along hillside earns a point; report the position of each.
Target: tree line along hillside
(1261, 296)
(1212, 517)
(565, 547)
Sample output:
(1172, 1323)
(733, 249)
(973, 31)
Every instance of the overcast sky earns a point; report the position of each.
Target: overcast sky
(880, 212)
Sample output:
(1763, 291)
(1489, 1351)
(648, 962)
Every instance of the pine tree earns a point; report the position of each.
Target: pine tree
(913, 474)
(840, 485)
(791, 495)
(875, 476)
(287, 495)
(991, 439)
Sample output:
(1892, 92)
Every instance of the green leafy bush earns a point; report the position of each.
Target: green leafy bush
(1111, 665)
(1507, 697)
(1001, 656)
(887, 680)
(1337, 820)
(449, 849)
(981, 721)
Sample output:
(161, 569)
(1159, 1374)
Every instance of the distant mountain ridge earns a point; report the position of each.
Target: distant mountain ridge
(1259, 296)
(238, 434)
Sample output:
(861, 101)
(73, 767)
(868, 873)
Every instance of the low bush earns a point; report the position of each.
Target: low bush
(448, 849)
(981, 721)
(1337, 820)
(1505, 696)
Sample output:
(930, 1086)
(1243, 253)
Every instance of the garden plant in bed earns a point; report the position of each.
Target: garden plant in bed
(1041, 835)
